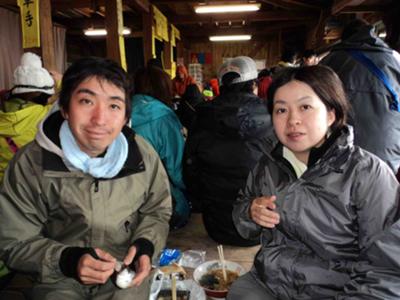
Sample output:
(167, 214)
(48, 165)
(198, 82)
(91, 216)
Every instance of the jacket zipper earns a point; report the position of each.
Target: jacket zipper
(96, 185)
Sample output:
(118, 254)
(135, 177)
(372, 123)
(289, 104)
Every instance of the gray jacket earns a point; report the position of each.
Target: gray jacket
(339, 233)
(377, 128)
(45, 208)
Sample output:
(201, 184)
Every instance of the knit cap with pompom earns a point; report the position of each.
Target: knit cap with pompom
(30, 76)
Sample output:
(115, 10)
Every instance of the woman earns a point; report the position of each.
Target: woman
(153, 119)
(326, 211)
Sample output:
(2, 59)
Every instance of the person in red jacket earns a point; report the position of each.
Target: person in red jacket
(181, 81)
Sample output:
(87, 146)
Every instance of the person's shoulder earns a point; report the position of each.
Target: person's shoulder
(368, 162)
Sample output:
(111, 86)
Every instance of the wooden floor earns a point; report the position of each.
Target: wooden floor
(194, 236)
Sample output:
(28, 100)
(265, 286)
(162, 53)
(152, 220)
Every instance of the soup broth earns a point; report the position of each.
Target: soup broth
(214, 279)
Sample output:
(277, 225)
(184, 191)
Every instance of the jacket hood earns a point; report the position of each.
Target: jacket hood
(182, 69)
(146, 109)
(364, 39)
(235, 114)
(48, 138)
(15, 123)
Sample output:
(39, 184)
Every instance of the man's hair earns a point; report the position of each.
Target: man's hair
(154, 82)
(309, 53)
(94, 67)
(228, 87)
(324, 82)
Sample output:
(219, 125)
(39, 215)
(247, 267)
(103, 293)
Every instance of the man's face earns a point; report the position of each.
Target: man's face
(96, 114)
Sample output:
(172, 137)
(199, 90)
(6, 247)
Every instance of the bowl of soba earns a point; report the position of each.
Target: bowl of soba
(209, 276)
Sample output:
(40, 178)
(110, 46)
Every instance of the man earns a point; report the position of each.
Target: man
(376, 123)
(310, 58)
(86, 193)
(223, 146)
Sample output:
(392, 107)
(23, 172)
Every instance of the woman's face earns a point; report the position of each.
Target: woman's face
(301, 120)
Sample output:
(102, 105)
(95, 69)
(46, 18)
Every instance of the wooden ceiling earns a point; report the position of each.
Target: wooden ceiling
(274, 17)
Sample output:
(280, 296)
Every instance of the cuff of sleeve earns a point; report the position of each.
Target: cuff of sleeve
(69, 260)
(143, 247)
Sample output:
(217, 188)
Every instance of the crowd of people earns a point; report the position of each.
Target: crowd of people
(300, 159)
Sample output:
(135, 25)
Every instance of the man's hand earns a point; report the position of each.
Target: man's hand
(262, 212)
(96, 271)
(142, 266)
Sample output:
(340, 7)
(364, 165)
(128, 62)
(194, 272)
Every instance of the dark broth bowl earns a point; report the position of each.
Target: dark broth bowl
(210, 265)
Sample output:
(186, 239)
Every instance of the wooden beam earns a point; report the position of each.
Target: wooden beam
(113, 17)
(282, 4)
(248, 17)
(364, 9)
(147, 20)
(253, 30)
(142, 6)
(46, 35)
(303, 4)
(339, 5)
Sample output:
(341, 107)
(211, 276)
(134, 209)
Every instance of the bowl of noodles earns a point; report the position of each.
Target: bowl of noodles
(209, 276)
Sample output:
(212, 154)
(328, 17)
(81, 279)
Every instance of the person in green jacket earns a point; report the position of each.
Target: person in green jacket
(24, 107)
(87, 195)
(21, 110)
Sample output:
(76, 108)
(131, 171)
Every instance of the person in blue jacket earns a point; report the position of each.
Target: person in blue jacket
(153, 118)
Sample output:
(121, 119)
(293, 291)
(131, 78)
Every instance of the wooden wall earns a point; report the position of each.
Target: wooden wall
(268, 50)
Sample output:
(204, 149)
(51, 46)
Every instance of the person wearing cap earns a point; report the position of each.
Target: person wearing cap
(225, 142)
(87, 195)
(24, 107)
(310, 58)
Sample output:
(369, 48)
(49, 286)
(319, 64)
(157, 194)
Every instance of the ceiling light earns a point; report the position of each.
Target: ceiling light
(222, 38)
(102, 31)
(226, 8)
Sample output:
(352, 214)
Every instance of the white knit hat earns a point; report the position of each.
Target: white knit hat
(31, 77)
(244, 66)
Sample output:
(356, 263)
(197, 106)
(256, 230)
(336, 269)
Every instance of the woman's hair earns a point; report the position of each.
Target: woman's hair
(324, 82)
(154, 82)
(100, 68)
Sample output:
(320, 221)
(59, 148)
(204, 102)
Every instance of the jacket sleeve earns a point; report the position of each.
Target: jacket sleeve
(246, 227)
(155, 213)
(377, 275)
(23, 214)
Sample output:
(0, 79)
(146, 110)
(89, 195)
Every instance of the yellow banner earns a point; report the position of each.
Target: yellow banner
(121, 36)
(161, 29)
(175, 34)
(29, 10)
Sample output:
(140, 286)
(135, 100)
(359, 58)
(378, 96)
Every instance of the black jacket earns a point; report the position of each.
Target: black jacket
(225, 143)
(376, 127)
(339, 231)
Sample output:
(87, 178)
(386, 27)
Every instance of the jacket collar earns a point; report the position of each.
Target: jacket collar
(337, 144)
(53, 162)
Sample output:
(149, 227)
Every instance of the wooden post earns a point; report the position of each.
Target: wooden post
(114, 27)
(147, 21)
(168, 53)
(46, 49)
(46, 35)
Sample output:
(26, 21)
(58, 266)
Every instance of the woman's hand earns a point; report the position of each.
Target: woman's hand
(262, 212)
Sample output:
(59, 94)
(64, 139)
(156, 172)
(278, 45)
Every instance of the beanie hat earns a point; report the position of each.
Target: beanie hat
(244, 66)
(31, 77)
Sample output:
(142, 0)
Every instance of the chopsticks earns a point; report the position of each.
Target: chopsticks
(222, 259)
(173, 286)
